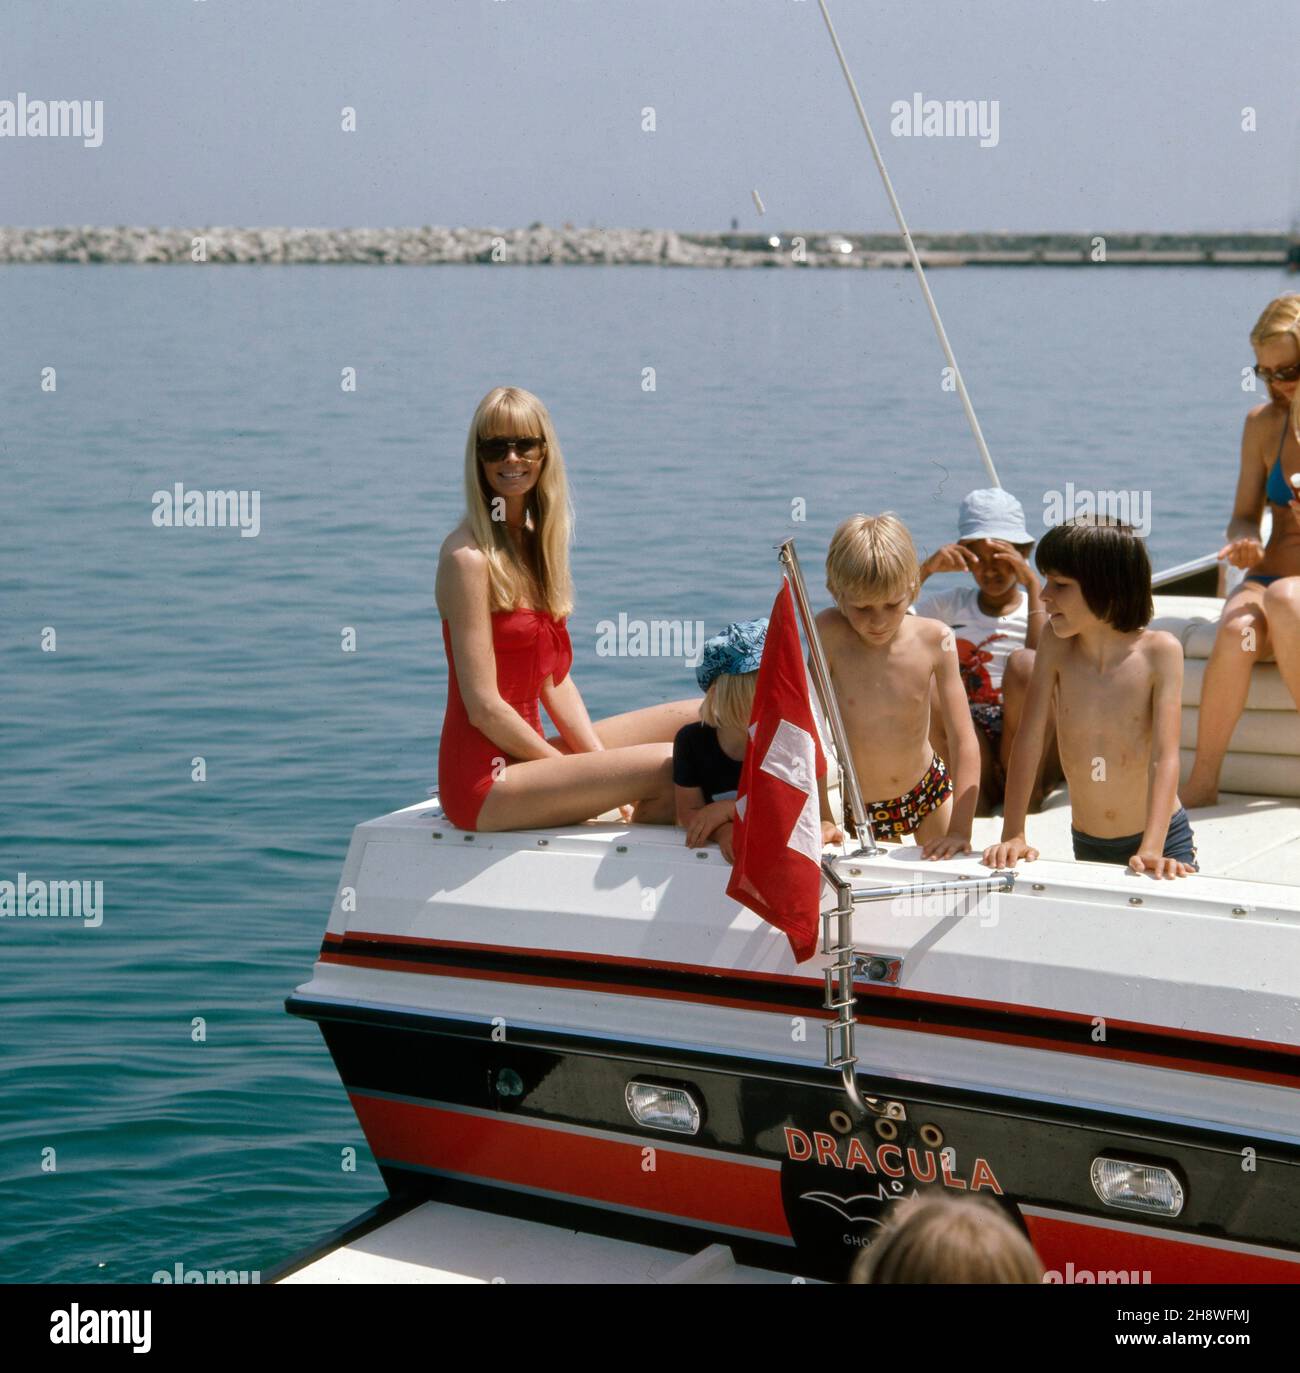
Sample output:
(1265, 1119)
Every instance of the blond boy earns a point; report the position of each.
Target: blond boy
(882, 664)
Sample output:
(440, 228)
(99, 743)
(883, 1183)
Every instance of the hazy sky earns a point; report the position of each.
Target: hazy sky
(1112, 114)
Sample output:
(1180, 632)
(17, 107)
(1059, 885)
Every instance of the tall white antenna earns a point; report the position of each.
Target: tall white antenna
(911, 249)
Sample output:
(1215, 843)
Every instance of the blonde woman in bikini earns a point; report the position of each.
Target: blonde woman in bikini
(1262, 615)
(504, 593)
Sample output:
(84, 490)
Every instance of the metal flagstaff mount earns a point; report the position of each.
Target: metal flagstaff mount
(912, 253)
(848, 961)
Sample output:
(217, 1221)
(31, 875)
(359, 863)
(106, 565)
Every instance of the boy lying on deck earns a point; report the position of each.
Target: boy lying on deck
(1118, 691)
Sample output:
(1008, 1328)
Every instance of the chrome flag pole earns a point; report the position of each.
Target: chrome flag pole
(821, 676)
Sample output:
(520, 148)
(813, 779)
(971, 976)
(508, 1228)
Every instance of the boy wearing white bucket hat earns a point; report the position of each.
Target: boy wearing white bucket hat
(997, 623)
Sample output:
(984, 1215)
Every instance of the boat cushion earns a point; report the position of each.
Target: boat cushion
(1264, 756)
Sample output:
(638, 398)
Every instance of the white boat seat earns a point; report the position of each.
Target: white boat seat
(1264, 756)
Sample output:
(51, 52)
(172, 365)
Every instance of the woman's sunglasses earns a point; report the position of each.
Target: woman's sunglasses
(1267, 374)
(497, 450)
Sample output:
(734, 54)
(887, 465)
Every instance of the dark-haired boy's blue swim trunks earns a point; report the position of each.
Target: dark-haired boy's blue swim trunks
(1179, 844)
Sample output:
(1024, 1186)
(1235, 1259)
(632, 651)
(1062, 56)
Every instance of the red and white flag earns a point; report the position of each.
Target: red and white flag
(778, 834)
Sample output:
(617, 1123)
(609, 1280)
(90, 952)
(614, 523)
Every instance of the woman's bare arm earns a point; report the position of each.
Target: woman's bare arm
(1252, 477)
(463, 600)
(568, 712)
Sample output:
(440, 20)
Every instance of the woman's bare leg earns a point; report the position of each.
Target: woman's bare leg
(650, 725)
(1282, 610)
(1241, 640)
(635, 768)
(633, 728)
(544, 792)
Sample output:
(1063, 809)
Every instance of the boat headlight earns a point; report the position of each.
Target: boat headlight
(662, 1108)
(1145, 1187)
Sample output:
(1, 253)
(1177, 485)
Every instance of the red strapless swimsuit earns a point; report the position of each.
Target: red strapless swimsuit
(530, 646)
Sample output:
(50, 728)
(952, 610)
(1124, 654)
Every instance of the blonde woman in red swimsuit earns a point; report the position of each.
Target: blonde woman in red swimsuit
(504, 593)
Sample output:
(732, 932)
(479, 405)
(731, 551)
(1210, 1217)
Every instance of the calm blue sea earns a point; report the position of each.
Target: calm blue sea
(777, 394)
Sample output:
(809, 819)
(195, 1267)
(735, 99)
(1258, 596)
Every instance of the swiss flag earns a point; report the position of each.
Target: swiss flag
(778, 835)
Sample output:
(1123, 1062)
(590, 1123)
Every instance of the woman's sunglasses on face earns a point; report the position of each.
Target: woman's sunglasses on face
(497, 450)
(1267, 374)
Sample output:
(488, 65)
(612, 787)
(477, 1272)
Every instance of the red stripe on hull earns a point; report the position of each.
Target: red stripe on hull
(1070, 1249)
(506, 1149)
(907, 995)
(876, 1017)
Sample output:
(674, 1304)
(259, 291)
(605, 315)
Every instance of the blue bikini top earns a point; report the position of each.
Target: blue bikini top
(1279, 490)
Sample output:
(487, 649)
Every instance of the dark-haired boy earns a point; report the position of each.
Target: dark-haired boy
(1118, 688)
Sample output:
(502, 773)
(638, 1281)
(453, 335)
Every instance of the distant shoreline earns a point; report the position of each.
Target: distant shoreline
(540, 245)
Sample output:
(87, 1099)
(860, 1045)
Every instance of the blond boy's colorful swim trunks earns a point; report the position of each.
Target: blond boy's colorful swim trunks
(899, 817)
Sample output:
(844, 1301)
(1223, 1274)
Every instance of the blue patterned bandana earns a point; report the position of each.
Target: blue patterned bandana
(739, 648)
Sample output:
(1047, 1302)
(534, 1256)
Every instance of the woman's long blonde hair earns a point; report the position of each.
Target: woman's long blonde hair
(514, 413)
(1281, 316)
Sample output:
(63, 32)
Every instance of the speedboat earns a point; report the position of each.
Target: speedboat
(574, 1057)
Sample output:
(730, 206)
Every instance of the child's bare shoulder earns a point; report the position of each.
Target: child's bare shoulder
(831, 625)
(934, 635)
(1052, 652)
(1161, 649)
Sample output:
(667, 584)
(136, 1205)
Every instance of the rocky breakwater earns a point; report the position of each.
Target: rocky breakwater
(540, 244)
(417, 246)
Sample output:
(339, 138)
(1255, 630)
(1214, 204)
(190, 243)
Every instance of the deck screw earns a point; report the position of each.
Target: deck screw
(1135, 900)
(855, 872)
(620, 848)
(1038, 886)
(1239, 910)
(542, 843)
(701, 854)
(437, 834)
(469, 838)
